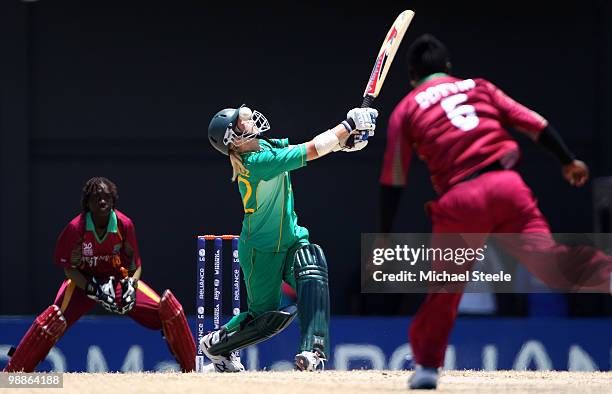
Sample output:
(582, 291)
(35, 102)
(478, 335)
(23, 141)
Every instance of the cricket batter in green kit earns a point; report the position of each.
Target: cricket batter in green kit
(273, 247)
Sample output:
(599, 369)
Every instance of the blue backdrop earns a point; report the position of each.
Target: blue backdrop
(119, 344)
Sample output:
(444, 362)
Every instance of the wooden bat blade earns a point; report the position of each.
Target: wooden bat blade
(387, 53)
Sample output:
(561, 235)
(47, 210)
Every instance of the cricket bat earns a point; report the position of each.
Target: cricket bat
(383, 61)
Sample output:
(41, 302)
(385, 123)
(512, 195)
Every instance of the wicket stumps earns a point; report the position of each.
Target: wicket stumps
(217, 287)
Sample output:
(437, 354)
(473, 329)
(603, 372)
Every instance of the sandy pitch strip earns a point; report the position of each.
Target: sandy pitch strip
(336, 382)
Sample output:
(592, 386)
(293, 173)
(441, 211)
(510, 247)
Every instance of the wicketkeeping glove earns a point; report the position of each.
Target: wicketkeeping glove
(128, 294)
(103, 293)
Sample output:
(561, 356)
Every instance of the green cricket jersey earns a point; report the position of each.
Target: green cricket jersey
(270, 223)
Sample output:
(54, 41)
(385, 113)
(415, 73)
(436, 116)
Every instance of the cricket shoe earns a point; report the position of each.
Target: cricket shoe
(222, 362)
(423, 378)
(310, 361)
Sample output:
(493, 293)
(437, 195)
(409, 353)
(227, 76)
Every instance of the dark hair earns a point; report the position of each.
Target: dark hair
(427, 55)
(90, 188)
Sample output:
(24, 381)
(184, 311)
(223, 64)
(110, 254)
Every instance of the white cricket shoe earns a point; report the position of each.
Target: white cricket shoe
(222, 363)
(424, 378)
(310, 361)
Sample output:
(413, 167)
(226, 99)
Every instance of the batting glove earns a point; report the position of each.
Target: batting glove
(364, 119)
(359, 144)
(361, 123)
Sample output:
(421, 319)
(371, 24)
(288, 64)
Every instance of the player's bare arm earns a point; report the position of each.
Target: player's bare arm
(542, 132)
(575, 171)
(76, 277)
(137, 273)
(336, 134)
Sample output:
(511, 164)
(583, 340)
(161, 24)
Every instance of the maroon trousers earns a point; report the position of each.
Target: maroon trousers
(500, 202)
(71, 303)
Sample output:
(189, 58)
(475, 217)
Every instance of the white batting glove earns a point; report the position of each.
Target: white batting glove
(364, 119)
(360, 143)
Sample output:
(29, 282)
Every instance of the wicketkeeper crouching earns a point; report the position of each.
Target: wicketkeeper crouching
(99, 254)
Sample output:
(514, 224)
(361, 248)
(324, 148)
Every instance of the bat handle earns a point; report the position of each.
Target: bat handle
(367, 102)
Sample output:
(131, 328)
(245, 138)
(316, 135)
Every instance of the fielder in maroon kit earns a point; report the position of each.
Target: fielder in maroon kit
(457, 126)
(99, 254)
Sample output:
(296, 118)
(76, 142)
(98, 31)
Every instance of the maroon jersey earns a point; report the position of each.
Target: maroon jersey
(457, 127)
(79, 246)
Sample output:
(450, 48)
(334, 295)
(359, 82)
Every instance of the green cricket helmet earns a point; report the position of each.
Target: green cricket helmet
(223, 128)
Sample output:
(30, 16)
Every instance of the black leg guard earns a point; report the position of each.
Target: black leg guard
(254, 330)
(310, 270)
